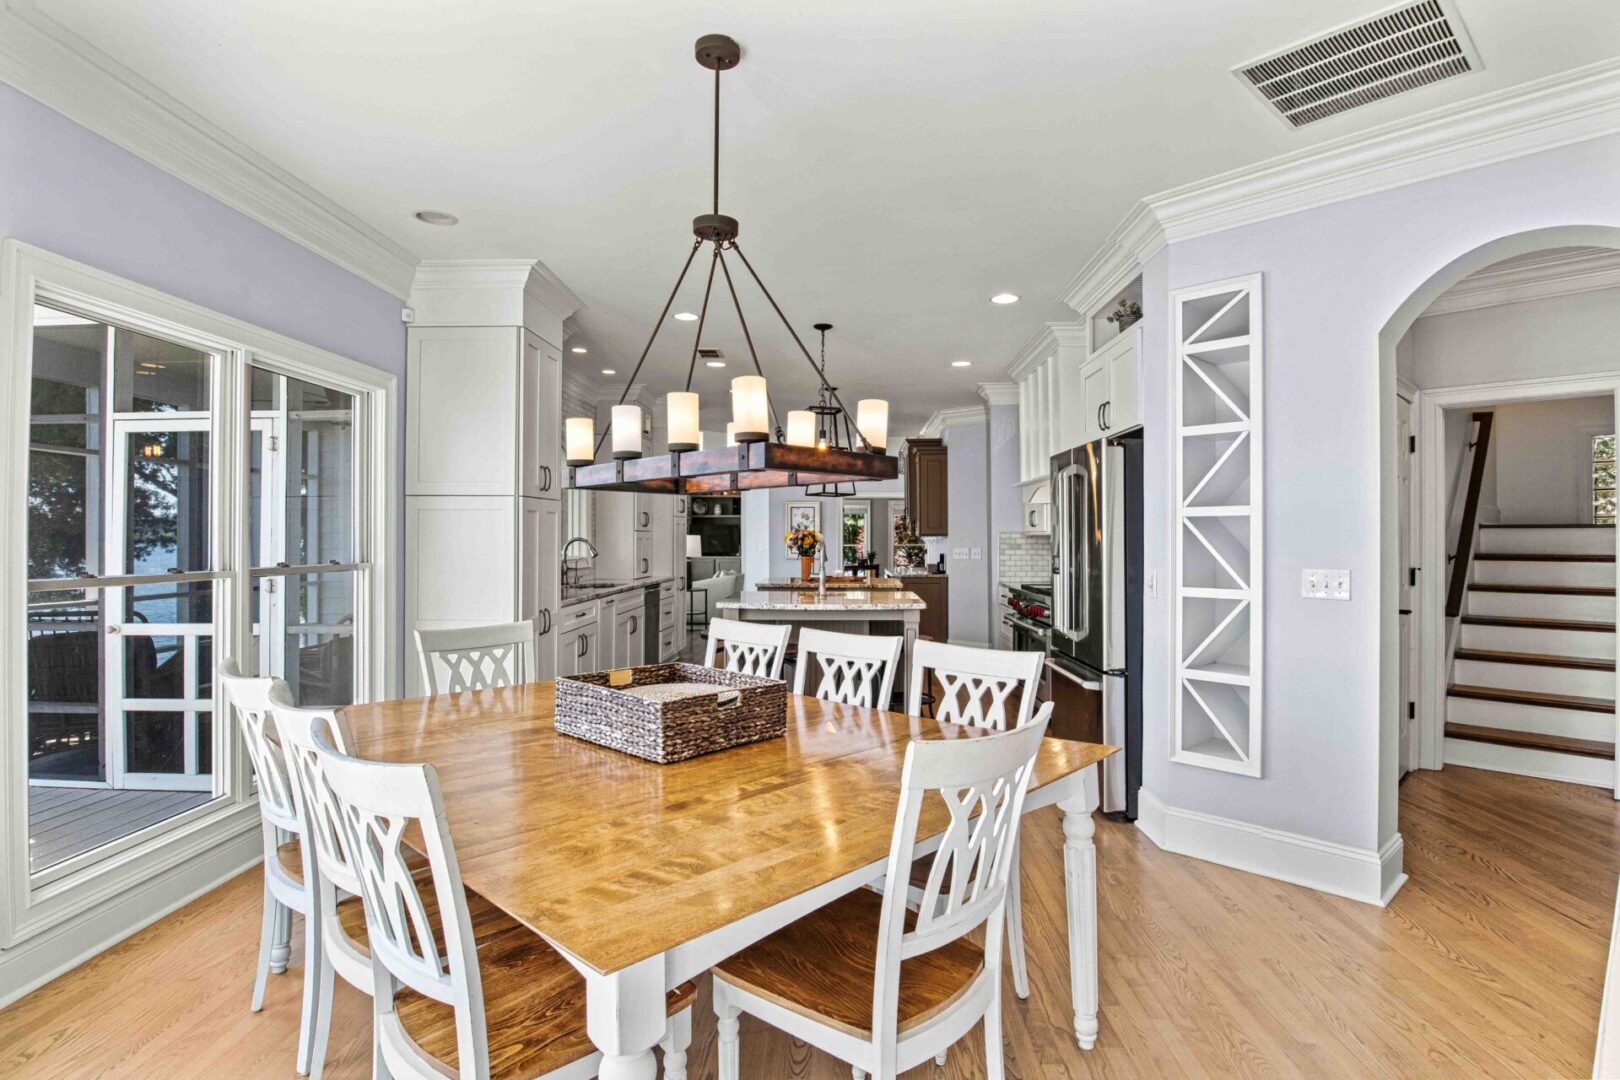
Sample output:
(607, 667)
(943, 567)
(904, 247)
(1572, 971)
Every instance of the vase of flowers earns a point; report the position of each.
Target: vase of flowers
(804, 543)
(1127, 314)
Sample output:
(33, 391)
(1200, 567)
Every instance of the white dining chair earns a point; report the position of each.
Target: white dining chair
(445, 1002)
(750, 648)
(477, 657)
(285, 885)
(338, 919)
(855, 669)
(975, 688)
(879, 986)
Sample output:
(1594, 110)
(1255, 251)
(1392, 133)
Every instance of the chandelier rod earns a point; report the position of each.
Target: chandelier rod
(795, 334)
(748, 337)
(717, 145)
(703, 317)
(657, 326)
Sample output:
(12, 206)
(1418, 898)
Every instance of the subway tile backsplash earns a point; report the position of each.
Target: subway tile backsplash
(1024, 558)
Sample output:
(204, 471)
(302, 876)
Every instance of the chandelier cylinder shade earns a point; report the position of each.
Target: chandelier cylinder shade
(750, 408)
(579, 434)
(683, 422)
(626, 432)
(872, 421)
(801, 428)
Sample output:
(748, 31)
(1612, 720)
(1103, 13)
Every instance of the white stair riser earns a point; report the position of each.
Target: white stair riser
(1548, 642)
(1487, 571)
(1549, 680)
(1548, 541)
(1540, 719)
(1542, 605)
(1570, 768)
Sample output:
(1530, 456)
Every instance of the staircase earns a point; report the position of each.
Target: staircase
(1533, 678)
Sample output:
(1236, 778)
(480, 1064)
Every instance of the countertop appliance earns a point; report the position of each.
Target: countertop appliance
(1096, 611)
(1028, 616)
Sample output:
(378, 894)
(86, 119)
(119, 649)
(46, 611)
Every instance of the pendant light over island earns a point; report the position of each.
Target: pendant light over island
(808, 453)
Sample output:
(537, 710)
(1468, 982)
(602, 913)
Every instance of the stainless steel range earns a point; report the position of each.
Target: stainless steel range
(1029, 616)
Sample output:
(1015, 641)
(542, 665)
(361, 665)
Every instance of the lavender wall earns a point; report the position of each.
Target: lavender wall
(71, 192)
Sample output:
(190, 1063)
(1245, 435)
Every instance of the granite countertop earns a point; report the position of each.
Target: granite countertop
(860, 600)
(596, 592)
(914, 571)
(839, 583)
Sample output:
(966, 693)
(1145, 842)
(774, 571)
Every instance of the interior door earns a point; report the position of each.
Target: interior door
(159, 671)
(1405, 459)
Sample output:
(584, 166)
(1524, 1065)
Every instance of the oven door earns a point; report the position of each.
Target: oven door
(1026, 636)
(1079, 629)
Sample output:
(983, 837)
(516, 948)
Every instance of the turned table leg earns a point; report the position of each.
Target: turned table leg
(1080, 887)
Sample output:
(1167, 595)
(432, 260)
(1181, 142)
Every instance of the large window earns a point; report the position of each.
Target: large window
(196, 490)
(1603, 479)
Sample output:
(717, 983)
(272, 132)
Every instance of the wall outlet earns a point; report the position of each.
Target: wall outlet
(976, 553)
(1325, 584)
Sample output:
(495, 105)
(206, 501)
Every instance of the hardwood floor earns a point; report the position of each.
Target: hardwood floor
(1488, 963)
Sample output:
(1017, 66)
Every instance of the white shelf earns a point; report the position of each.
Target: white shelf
(1218, 568)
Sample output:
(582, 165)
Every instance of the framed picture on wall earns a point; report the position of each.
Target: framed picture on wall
(802, 515)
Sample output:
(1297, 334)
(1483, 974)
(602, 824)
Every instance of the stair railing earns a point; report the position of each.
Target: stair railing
(1462, 552)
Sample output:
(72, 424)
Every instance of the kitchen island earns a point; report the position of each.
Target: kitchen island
(892, 612)
(841, 584)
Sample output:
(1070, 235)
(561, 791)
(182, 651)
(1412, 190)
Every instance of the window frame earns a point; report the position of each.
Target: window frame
(31, 903)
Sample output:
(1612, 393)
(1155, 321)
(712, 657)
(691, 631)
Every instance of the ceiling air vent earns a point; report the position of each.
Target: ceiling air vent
(1398, 50)
(711, 354)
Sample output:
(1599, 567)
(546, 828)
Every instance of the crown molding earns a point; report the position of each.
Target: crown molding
(1045, 342)
(1537, 277)
(999, 393)
(62, 71)
(492, 292)
(1133, 242)
(949, 418)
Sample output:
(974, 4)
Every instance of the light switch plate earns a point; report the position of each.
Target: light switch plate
(1325, 584)
(976, 553)
(959, 553)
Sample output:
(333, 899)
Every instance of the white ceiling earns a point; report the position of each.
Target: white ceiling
(892, 164)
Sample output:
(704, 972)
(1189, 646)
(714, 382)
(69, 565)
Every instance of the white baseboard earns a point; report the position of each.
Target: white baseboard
(1372, 877)
(31, 964)
(1545, 764)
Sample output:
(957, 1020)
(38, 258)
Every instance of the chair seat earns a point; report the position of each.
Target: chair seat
(824, 966)
(291, 858)
(488, 921)
(534, 1008)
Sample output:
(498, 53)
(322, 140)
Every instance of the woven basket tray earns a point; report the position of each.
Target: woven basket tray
(670, 712)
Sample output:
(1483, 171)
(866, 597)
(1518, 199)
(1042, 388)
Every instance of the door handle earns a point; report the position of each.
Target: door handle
(1099, 418)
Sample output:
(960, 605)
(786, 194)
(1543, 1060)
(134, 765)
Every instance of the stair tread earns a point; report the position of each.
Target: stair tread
(1502, 656)
(1539, 624)
(1539, 556)
(1530, 740)
(1551, 590)
(1544, 525)
(1531, 697)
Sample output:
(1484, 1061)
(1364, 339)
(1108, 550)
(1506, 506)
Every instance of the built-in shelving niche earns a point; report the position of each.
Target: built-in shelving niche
(1218, 521)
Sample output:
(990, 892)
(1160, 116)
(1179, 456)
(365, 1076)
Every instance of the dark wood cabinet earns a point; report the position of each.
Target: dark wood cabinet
(935, 592)
(927, 486)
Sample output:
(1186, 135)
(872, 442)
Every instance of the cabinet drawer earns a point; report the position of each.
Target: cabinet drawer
(667, 589)
(666, 644)
(666, 613)
(577, 616)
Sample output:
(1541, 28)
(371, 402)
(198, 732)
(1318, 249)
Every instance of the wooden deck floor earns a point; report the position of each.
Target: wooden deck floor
(64, 821)
(1488, 964)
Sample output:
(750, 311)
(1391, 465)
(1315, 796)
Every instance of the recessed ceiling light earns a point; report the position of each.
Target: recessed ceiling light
(436, 217)
(1004, 298)
(609, 371)
(580, 349)
(686, 316)
(961, 363)
(715, 363)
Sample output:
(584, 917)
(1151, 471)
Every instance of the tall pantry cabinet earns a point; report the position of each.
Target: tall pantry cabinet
(483, 451)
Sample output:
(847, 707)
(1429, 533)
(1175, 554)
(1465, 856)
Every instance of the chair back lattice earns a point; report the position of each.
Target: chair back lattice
(253, 701)
(302, 732)
(476, 657)
(976, 685)
(749, 648)
(982, 782)
(376, 802)
(855, 669)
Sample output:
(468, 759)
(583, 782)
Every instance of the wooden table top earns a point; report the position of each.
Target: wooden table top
(616, 859)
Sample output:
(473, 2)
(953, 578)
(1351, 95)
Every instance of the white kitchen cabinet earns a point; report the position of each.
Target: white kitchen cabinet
(473, 560)
(629, 632)
(1111, 386)
(578, 649)
(481, 414)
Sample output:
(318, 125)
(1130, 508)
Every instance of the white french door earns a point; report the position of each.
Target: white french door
(159, 691)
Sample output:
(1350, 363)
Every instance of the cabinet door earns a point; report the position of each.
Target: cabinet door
(644, 556)
(540, 573)
(590, 650)
(643, 510)
(1125, 384)
(1094, 396)
(461, 566)
(931, 484)
(568, 646)
(606, 651)
(460, 423)
(538, 420)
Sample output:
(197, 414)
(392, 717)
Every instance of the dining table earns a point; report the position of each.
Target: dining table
(645, 875)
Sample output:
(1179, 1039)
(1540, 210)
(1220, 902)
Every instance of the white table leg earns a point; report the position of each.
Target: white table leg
(625, 1018)
(1080, 886)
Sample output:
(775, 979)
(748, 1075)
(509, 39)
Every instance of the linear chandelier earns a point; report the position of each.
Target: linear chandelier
(797, 457)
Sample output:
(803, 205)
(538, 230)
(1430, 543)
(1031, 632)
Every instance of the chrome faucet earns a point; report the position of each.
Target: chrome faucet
(571, 542)
(821, 575)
